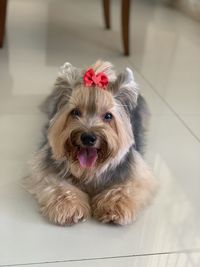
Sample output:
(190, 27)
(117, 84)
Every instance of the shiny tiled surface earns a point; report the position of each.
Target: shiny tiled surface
(162, 260)
(166, 61)
(169, 58)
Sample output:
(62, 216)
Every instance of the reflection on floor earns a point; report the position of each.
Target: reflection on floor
(165, 57)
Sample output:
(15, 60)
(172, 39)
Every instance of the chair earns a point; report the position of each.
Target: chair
(3, 7)
(125, 14)
(125, 11)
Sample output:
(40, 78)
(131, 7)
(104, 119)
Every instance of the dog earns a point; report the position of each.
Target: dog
(89, 162)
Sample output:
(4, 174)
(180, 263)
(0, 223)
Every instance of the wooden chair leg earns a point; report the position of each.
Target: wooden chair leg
(106, 9)
(3, 5)
(125, 25)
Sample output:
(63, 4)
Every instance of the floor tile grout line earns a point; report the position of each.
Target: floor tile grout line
(166, 103)
(186, 251)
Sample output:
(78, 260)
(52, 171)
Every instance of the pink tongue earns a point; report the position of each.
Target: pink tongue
(87, 157)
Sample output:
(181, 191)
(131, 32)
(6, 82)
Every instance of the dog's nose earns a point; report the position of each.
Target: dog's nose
(88, 139)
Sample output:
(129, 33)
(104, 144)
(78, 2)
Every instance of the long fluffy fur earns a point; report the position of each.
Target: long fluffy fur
(120, 184)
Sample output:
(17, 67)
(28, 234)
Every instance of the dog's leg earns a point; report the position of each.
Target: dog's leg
(120, 204)
(61, 202)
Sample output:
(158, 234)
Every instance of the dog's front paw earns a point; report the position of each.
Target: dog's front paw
(111, 208)
(66, 208)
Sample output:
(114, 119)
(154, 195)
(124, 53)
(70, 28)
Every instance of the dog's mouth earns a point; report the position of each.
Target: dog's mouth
(87, 156)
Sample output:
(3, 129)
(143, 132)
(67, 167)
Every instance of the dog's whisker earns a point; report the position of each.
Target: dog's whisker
(121, 105)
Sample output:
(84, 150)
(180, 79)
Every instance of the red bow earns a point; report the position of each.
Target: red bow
(92, 79)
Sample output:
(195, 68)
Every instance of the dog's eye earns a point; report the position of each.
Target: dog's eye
(76, 112)
(108, 117)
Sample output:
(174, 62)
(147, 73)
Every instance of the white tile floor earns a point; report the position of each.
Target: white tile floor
(165, 48)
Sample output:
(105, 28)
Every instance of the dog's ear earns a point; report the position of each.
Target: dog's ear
(68, 77)
(69, 73)
(125, 90)
(127, 95)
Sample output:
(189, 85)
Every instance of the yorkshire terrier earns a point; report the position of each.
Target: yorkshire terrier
(90, 159)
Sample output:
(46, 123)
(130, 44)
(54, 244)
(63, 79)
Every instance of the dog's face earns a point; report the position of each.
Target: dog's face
(92, 129)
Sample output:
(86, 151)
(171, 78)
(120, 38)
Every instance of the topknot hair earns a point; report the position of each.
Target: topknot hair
(107, 68)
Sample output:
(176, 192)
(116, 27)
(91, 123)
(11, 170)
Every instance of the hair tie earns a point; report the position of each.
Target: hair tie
(92, 79)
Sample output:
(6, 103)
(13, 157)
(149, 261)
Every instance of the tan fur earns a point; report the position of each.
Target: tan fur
(106, 67)
(61, 186)
(64, 204)
(120, 204)
(63, 126)
(61, 202)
